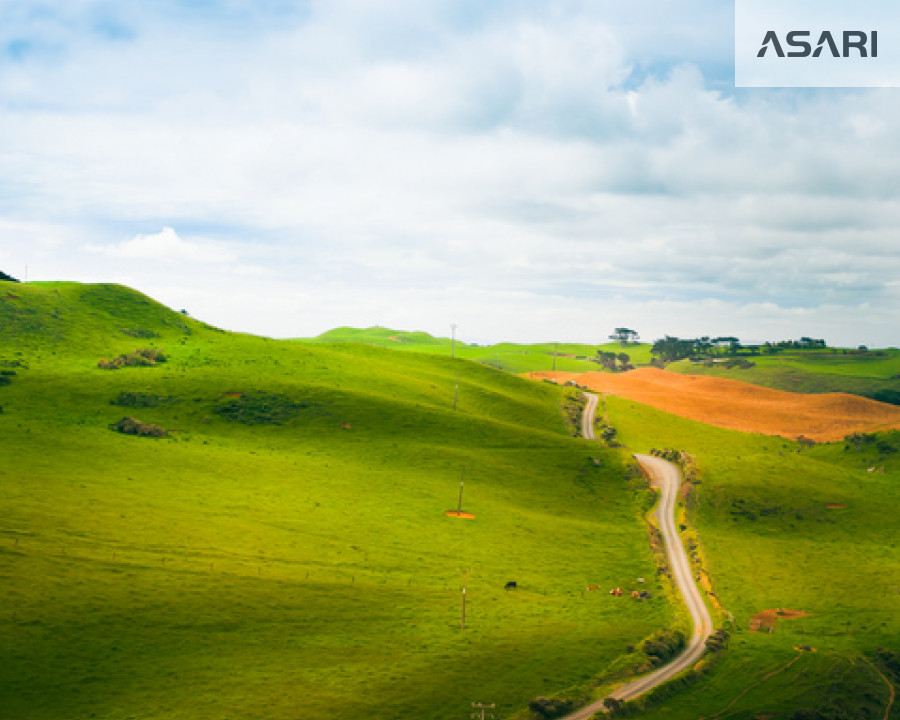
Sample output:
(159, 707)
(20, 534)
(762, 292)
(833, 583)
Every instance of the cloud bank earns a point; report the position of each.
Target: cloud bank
(528, 172)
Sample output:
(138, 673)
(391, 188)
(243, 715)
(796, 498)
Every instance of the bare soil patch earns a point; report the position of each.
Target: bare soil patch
(459, 514)
(834, 506)
(741, 406)
(766, 620)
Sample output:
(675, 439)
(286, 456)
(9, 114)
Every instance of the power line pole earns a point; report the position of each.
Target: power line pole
(453, 340)
(555, 349)
(482, 707)
(465, 582)
(461, 477)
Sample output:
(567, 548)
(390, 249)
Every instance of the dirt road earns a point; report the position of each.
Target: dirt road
(667, 479)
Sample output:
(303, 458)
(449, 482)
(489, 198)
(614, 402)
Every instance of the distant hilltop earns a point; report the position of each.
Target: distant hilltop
(7, 278)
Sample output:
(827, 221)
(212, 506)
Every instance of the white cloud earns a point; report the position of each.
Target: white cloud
(541, 161)
(168, 247)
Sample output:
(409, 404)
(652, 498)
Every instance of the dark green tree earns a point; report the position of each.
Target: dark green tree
(624, 336)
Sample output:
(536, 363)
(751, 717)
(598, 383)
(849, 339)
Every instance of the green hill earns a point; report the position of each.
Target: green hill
(71, 320)
(784, 525)
(512, 357)
(383, 337)
(283, 550)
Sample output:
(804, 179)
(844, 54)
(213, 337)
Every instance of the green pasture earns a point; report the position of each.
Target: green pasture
(284, 552)
(874, 374)
(512, 357)
(770, 540)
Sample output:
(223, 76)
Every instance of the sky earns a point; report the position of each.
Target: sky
(528, 171)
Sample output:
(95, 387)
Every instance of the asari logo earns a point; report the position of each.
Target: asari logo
(866, 44)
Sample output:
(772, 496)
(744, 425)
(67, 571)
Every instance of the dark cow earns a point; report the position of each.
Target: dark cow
(511, 585)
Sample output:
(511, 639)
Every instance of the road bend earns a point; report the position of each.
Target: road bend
(665, 477)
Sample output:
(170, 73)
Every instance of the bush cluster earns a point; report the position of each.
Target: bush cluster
(138, 357)
(140, 400)
(683, 460)
(261, 408)
(883, 445)
(140, 332)
(573, 406)
(546, 708)
(131, 426)
(718, 640)
(663, 645)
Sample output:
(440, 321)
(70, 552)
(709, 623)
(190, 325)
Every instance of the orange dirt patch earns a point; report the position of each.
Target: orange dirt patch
(233, 394)
(766, 620)
(459, 514)
(395, 339)
(834, 506)
(742, 406)
(706, 583)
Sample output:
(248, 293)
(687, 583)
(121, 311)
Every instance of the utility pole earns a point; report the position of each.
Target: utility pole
(453, 340)
(461, 477)
(482, 707)
(555, 348)
(465, 580)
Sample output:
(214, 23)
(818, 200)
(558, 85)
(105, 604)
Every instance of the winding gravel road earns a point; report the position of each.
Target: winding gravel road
(667, 479)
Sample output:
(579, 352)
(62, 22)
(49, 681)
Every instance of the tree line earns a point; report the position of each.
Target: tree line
(671, 348)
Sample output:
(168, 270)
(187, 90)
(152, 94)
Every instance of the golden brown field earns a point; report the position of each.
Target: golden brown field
(741, 406)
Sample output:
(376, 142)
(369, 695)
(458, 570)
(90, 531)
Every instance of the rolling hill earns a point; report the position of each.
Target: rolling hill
(282, 550)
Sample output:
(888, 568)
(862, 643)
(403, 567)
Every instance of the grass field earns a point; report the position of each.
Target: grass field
(874, 374)
(786, 526)
(515, 358)
(283, 552)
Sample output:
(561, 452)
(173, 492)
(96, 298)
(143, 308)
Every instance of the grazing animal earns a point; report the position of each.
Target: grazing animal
(511, 585)
(593, 587)
(616, 592)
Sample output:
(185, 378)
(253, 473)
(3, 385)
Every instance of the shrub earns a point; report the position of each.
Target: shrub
(140, 400)
(137, 357)
(140, 332)
(131, 426)
(663, 645)
(554, 707)
(261, 408)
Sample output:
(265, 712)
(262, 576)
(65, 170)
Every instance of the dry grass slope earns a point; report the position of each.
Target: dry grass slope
(741, 406)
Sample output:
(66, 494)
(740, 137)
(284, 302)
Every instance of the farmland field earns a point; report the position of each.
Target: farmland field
(874, 374)
(742, 406)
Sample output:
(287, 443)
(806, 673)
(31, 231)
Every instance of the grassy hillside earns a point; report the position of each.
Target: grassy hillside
(513, 357)
(781, 525)
(874, 374)
(283, 552)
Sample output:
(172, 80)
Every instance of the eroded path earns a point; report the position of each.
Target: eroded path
(666, 478)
